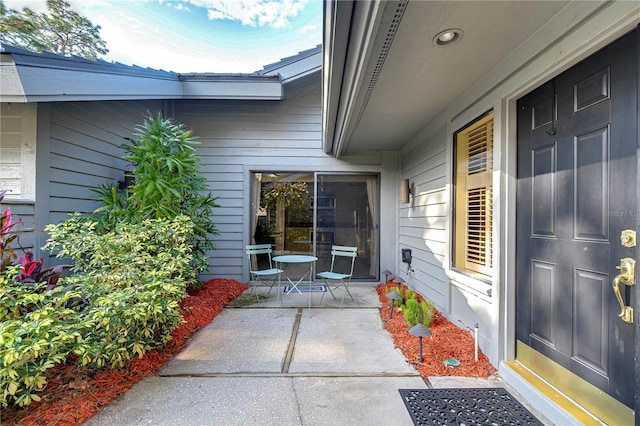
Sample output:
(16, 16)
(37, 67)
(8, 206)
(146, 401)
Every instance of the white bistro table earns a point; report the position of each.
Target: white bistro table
(297, 258)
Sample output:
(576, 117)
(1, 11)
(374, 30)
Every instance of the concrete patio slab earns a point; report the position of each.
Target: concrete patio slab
(364, 294)
(204, 401)
(268, 364)
(237, 341)
(346, 341)
(261, 401)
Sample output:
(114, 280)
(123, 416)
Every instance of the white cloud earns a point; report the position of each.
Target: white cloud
(181, 6)
(307, 28)
(39, 6)
(272, 13)
(166, 38)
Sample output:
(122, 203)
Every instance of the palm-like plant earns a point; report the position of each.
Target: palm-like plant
(167, 183)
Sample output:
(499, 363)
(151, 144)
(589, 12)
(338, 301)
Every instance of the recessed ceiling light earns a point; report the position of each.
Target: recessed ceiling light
(447, 37)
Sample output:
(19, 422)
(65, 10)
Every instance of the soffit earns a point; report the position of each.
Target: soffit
(417, 80)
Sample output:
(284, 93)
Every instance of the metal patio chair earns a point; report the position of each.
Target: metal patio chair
(334, 279)
(266, 277)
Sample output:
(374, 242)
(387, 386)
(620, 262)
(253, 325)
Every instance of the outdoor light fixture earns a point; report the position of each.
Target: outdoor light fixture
(421, 331)
(405, 191)
(129, 179)
(386, 273)
(392, 296)
(447, 37)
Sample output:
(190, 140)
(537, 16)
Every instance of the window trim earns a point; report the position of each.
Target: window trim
(26, 115)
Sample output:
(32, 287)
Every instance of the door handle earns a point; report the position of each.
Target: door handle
(626, 276)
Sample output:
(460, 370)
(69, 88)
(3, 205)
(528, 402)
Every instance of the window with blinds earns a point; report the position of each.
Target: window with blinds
(473, 199)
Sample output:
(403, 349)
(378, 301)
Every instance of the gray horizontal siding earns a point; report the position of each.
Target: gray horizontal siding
(423, 222)
(84, 151)
(236, 136)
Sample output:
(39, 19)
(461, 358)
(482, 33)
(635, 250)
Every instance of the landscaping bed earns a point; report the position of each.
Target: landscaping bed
(73, 395)
(447, 341)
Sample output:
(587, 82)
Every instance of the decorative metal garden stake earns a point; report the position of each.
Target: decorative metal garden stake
(421, 331)
(392, 296)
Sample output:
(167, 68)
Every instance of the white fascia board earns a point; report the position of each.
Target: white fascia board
(336, 37)
(300, 68)
(11, 89)
(360, 32)
(51, 85)
(42, 84)
(233, 87)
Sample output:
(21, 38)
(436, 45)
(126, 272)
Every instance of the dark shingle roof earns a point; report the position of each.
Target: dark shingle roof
(53, 60)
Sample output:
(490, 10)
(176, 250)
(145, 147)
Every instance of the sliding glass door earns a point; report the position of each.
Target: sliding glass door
(306, 213)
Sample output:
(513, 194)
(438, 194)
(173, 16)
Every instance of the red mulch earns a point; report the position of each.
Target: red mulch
(72, 396)
(447, 341)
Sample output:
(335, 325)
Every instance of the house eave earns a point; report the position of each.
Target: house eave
(43, 77)
(297, 67)
(233, 86)
(29, 84)
(350, 29)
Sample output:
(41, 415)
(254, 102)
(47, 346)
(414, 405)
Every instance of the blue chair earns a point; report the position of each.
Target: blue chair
(334, 279)
(265, 277)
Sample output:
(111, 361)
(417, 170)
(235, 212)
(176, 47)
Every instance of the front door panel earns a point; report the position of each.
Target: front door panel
(576, 193)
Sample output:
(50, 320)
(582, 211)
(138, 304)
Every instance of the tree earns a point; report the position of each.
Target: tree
(61, 31)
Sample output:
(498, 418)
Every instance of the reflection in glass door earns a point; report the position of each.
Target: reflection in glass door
(347, 215)
(298, 214)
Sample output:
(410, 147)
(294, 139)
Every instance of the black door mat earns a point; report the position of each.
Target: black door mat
(465, 407)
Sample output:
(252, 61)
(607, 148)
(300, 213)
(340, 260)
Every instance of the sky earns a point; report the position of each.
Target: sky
(220, 36)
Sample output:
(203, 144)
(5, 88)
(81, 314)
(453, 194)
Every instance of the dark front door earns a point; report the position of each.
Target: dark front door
(576, 194)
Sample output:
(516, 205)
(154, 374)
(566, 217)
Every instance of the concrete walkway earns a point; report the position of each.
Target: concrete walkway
(272, 364)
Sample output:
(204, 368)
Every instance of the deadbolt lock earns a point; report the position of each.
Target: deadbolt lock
(628, 238)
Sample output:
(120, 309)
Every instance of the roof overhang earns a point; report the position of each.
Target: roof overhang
(294, 68)
(45, 77)
(348, 30)
(385, 79)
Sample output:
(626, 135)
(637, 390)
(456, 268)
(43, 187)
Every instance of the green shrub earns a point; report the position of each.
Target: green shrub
(408, 295)
(167, 183)
(118, 259)
(127, 322)
(122, 301)
(133, 279)
(34, 330)
(13, 299)
(412, 312)
(32, 344)
(427, 309)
